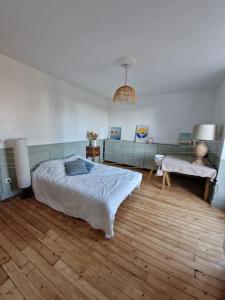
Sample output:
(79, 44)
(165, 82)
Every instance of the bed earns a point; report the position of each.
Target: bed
(93, 197)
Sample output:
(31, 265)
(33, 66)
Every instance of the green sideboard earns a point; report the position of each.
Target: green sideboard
(138, 154)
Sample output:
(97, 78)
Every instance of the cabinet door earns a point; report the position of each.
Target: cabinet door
(127, 153)
(109, 150)
(149, 156)
(118, 150)
(138, 155)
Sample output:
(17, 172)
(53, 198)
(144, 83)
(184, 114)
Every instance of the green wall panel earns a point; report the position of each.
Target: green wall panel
(219, 195)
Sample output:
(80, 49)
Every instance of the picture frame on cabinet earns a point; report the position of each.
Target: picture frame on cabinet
(115, 133)
(141, 133)
(185, 139)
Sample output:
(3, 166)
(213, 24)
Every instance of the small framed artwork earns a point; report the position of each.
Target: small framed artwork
(185, 139)
(115, 133)
(141, 134)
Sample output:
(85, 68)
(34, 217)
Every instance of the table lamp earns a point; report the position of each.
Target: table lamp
(202, 133)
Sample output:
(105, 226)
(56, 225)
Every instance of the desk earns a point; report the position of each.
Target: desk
(183, 165)
(93, 152)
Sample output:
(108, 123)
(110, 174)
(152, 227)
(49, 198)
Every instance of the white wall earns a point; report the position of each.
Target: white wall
(44, 109)
(219, 117)
(167, 115)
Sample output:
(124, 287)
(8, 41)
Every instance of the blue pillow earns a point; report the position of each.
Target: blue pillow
(89, 165)
(76, 167)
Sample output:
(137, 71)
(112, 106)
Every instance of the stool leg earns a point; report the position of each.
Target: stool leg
(150, 174)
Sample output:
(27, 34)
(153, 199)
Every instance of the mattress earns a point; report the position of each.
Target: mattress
(93, 197)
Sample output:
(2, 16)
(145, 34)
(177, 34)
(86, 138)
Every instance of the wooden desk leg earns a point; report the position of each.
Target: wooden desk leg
(168, 179)
(206, 192)
(150, 174)
(164, 180)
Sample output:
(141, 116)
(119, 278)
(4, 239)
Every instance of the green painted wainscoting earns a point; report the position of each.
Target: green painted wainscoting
(37, 154)
(219, 193)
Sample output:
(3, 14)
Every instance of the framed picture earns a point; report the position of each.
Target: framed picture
(185, 139)
(115, 133)
(141, 134)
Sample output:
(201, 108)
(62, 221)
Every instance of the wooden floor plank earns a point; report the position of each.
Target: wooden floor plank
(44, 286)
(14, 238)
(4, 257)
(24, 285)
(12, 251)
(3, 275)
(75, 279)
(8, 291)
(27, 234)
(56, 278)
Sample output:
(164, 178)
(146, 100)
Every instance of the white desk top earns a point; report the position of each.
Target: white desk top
(183, 165)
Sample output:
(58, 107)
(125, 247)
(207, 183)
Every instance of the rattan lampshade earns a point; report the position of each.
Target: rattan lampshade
(125, 94)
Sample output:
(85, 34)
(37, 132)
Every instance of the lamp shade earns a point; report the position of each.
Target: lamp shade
(22, 163)
(125, 94)
(204, 132)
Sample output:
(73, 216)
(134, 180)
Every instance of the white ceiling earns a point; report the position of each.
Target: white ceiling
(179, 44)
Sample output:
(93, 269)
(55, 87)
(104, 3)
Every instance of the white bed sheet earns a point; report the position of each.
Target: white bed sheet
(93, 197)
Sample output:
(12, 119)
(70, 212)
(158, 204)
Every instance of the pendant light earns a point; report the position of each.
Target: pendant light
(125, 93)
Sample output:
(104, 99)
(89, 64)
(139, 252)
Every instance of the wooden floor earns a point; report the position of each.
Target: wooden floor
(167, 245)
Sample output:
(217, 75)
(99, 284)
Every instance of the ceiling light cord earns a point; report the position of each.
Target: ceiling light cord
(125, 66)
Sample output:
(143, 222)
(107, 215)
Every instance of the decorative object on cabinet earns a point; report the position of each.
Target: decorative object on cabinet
(150, 140)
(202, 133)
(125, 93)
(115, 133)
(92, 137)
(93, 152)
(141, 134)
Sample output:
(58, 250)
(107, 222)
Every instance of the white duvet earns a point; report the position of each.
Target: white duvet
(93, 197)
